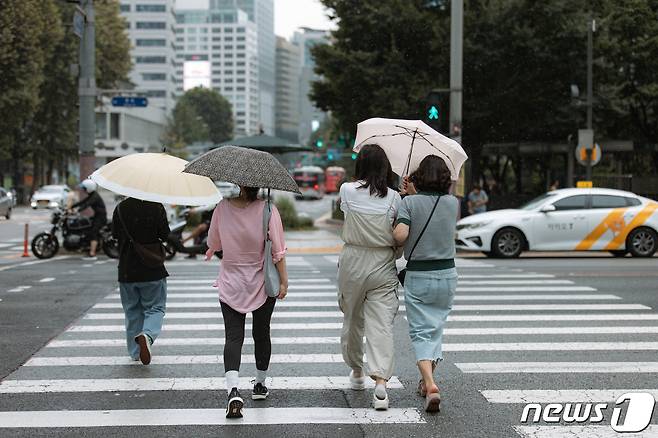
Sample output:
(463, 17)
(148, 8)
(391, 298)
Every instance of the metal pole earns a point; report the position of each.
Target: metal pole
(456, 68)
(87, 92)
(590, 37)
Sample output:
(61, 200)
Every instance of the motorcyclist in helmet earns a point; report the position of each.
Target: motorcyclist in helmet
(95, 202)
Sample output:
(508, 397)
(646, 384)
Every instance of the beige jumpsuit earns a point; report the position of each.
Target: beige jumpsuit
(367, 283)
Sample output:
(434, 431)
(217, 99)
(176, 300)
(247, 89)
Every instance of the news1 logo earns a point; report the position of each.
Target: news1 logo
(638, 412)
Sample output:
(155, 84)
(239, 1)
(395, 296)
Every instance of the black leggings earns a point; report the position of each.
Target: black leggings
(234, 333)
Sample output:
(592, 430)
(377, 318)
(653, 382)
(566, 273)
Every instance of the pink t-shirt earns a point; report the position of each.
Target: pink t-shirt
(239, 233)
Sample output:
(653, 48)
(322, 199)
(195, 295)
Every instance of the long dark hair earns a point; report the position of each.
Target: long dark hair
(373, 167)
(432, 175)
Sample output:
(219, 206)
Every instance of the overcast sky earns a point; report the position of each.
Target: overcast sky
(288, 14)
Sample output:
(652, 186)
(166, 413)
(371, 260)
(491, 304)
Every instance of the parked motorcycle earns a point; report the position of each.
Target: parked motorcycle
(174, 242)
(75, 230)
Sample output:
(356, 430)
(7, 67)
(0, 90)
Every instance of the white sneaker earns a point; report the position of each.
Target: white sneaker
(379, 404)
(90, 258)
(357, 383)
(144, 348)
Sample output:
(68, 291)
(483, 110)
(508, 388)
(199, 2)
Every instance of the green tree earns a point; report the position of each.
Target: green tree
(112, 45)
(200, 114)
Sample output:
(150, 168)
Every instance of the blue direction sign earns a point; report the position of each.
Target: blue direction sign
(130, 101)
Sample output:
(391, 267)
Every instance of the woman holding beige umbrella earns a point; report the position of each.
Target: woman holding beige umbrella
(140, 225)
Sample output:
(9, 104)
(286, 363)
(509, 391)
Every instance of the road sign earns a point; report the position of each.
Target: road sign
(130, 101)
(584, 184)
(78, 22)
(581, 154)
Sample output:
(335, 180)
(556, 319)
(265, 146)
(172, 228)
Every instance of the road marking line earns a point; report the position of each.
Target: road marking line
(546, 307)
(213, 304)
(177, 360)
(47, 280)
(579, 431)
(177, 384)
(550, 330)
(552, 317)
(305, 340)
(206, 417)
(291, 287)
(557, 367)
(34, 262)
(552, 346)
(526, 289)
(506, 276)
(211, 327)
(512, 282)
(218, 316)
(211, 280)
(558, 395)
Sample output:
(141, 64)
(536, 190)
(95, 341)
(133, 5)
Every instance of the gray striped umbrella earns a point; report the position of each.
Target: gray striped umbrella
(244, 167)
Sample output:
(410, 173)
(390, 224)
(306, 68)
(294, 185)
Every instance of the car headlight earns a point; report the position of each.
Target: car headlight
(473, 225)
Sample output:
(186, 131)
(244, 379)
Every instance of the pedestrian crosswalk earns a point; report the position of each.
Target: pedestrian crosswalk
(514, 335)
(513, 353)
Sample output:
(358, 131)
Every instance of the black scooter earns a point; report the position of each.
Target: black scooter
(174, 242)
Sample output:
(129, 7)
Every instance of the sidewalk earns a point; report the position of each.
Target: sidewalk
(320, 241)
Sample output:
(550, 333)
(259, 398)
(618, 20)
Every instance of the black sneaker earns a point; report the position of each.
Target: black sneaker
(260, 392)
(235, 404)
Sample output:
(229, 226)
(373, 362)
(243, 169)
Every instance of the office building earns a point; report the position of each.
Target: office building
(310, 116)
(288, 67)
(150, 27)
(218, 48)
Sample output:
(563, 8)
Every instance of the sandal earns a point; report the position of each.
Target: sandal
(433, 401)
(422, 391)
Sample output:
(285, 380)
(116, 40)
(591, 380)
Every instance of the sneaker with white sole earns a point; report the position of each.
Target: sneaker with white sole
(260, 392)
(144, 343)
(380, 404)
(357, 383)
(235, 404)
(90, 258)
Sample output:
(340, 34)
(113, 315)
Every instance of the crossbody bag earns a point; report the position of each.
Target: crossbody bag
(402, 274)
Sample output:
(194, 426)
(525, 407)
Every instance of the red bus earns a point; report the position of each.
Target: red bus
(334, 175)
(310, 180)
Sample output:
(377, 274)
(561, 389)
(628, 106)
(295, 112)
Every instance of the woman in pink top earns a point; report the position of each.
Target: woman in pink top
(237, 229)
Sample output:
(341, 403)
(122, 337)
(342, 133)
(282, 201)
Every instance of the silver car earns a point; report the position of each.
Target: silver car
(51, 196)
(6, 203)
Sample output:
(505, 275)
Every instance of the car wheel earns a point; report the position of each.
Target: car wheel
(8, 214)
(618, 252)
(507, 243)
(642, 242)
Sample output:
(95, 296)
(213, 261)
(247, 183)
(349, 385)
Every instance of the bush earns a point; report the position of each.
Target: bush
(289, 216)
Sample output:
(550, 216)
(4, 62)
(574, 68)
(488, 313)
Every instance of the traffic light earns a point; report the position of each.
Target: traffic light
(435, 110)
(354, 155)
(330, 156)
(319, 143)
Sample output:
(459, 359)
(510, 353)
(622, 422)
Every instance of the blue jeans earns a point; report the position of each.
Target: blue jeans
(428, 298)
(144, 304)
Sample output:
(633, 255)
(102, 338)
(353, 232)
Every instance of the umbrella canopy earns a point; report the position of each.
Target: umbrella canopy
(407, 142)
(156, 178)
(244, 167)
(267, 143)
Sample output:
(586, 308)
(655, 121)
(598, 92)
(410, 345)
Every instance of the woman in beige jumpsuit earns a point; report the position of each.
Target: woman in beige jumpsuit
(367, 276)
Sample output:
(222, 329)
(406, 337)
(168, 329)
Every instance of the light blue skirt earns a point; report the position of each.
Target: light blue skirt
(428, 299)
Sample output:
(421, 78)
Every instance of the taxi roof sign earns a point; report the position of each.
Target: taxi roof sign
(584, 184)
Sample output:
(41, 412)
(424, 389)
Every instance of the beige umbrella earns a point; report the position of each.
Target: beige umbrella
(156, 178)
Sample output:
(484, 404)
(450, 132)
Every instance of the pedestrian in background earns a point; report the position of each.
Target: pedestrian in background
(236, 229)
(99, 219)
(426, 226)
(367, 278)
(477, 200)
(142, 280)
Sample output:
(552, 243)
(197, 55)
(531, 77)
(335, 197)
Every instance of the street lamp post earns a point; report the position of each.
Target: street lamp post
(87, 92)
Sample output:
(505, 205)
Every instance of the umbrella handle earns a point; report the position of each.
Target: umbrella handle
(411, 151)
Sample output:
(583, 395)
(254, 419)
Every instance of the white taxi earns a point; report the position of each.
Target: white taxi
(566, 220)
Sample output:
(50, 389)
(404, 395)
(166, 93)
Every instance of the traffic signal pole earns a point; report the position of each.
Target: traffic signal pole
(456, 72)
(590, 31)
(87, 92)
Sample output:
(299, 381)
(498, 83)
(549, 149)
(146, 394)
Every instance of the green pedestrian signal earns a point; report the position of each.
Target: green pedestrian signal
(319, 142)
(433, 113)
(330, 156)
(354, 155)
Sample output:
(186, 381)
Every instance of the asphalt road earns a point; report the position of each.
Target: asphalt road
(534, 329)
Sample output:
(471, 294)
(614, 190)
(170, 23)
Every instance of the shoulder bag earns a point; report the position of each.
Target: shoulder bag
(151, 254)
(272, 279)
(403, 272)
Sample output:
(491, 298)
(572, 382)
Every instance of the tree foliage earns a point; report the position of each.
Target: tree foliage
(38, 92)
(201, 114)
